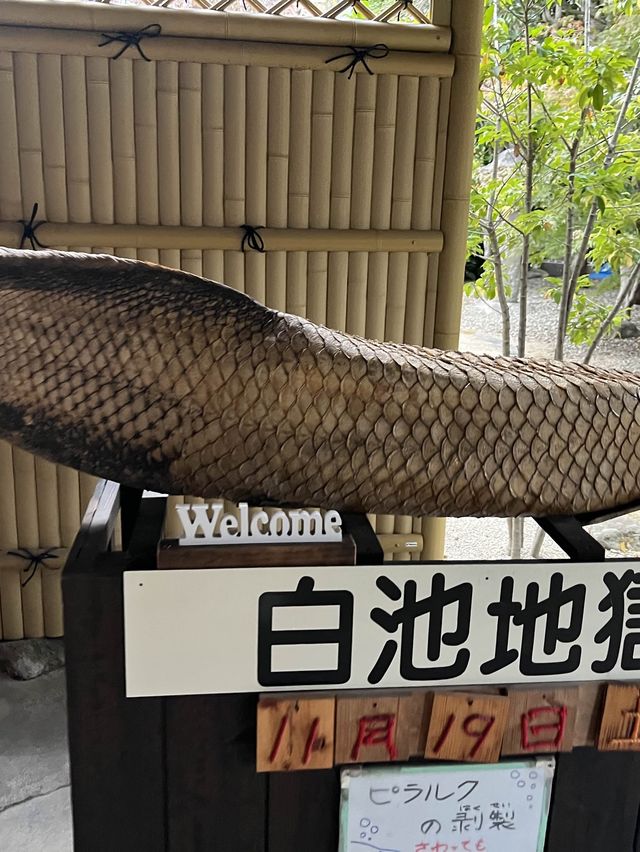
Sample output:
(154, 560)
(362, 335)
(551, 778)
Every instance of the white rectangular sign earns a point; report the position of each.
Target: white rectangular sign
(472, 808)
(410, 624)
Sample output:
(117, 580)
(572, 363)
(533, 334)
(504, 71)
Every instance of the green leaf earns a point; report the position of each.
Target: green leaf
(597, 96)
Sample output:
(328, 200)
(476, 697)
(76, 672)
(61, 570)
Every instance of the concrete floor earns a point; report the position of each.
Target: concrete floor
(35, 806)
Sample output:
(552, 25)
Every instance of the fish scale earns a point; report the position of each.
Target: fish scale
(163, 380)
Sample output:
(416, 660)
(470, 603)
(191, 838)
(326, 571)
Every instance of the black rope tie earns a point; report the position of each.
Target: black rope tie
(36, 560)
(252, 238)
(29, 228)
(131, 40)
(404, 7)
(359, 56)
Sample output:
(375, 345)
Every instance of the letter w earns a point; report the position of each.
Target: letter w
(201, 521)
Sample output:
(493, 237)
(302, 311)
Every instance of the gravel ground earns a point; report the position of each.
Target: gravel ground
(487, 538)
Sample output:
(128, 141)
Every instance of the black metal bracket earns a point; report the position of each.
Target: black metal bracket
(569, 534)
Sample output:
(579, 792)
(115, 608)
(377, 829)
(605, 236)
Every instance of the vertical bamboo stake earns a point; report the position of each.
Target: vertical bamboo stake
(170, 258)
(28, 536)
(320, 190)
(191, 261)
(10, 599)
(234, 144)
(466, 25)
(458, 104)
(234, 270)
(29, 134)
(146, 142)
(299, 182)
(213, 145)
(76, 137)
(52, 126)
(69, 504)
(123, 141)
(49, 532)
(342, 147)
(149, 255)
(317, 268)
(190, 124)
(384, 147)
(76, 141)
(213, 162)
(256, 174)
(100, 150)
(10, 188)
(277, 180)
(168, 144)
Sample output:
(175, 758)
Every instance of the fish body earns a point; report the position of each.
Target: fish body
(162, 380)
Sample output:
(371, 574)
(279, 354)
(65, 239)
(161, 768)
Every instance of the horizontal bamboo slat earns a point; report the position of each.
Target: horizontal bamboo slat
(231, 26)
(295, 56)
(227, 239)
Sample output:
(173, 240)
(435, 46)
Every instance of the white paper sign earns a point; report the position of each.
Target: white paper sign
(473, 808)
(353, 627)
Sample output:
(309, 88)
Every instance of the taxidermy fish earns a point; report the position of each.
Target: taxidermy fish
(162, 380)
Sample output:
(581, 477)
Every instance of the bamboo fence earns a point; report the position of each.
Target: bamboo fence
(358, 190)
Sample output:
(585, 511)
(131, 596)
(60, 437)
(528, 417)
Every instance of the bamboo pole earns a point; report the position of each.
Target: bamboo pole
(228, 239)
(10, 187)
(146, 142)
(317, 270)
(28, 536)
(234, 270)
(466, 23)
(10, 599)
(51, 576)
(213, 265)
(363, 144)
(195, 25)
(425, 153)
(299, 185)
(123, 142)
(384, 148)
(277, 280)
(52, 128)
(191, 261)
(234, 145)
(168, 145)
(213, 146)
(69, 504)
(76, 138)
(29, 132)
(278, 147)
(170, 258)
(190, 129)
(257, 83)
(100, 150)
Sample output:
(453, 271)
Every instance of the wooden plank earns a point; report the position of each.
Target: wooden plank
(171, 555)
(304, 811)
(216, 801)
(466, 726)
(116, 744)
(295, 733)
(540, 720)
(595, 803)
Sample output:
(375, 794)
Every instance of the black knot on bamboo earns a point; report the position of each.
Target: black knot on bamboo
(359, 56)
(35, 561)
(252, 238)
(131, 39)
(29, 228)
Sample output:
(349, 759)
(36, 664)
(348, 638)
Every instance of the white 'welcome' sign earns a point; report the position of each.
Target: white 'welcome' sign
(208, 523)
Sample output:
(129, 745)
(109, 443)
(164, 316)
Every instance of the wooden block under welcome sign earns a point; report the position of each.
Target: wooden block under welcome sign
(466, 726)
(540, 720)
(296, 733)
(620, 720)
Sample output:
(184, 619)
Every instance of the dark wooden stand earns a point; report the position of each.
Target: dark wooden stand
(178, 774)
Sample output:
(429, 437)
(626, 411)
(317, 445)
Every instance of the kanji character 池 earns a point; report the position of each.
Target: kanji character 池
(405, 616)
